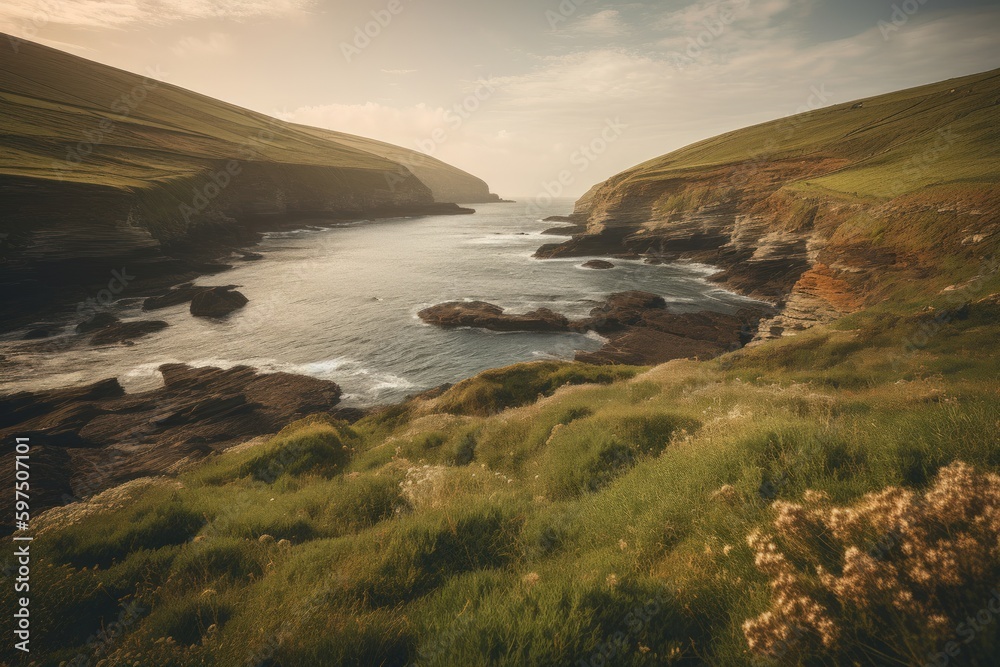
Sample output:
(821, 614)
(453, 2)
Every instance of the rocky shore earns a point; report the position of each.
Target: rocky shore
(638, 326)
(38, 282)
(86, 439)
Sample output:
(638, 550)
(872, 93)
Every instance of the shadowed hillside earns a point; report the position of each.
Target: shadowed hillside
(98, 163)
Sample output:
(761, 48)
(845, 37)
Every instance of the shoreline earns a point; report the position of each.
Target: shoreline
(206, 252)
(65, 415)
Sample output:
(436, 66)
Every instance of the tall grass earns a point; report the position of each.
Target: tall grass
(596, 522)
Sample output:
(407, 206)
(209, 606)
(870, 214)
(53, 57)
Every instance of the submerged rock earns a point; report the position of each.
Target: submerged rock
(178, 295)
(217, 302)
(598, 264)
(97, 321)
(126, 331)
(37, 333)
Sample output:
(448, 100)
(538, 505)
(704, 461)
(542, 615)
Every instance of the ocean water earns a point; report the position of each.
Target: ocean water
(341, 304)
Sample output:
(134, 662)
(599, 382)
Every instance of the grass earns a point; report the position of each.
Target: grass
(595, 518)
(896, 143)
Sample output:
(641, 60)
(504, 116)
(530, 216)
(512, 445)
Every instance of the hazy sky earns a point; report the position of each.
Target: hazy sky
(648, 76)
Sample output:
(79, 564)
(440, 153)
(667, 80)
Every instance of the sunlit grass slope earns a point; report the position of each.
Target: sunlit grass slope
(549, 513)
(879, 143)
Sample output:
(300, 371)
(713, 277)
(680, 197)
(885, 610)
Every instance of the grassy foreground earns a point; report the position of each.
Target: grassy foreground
(559, 514)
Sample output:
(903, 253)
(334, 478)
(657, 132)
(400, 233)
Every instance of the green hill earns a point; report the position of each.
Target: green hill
(823, 212)
(142, 130)
(98, 163)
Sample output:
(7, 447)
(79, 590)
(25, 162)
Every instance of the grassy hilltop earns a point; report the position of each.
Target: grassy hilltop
(148, 131)
(826, 498)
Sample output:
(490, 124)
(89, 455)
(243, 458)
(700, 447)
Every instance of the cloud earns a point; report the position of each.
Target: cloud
(605, 23)
(17, 16)
(538, 119)
(399, 72)
(749, 14)
(751, 73)
(216, 43)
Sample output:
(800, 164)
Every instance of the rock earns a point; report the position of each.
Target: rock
(648, 347)
(640, 329)
(251, 256)
(125, 331)
(25, 406)
(621, 310)
(266, 539)
(37, 333)
(97, 321)
(210, 267)
(176, 296)
(988, 301)
(565, 230)
(598, 264)
(217, 302)
(213, 407)
(284, 544)
(98, 436)
(482, 315)
(656, 335)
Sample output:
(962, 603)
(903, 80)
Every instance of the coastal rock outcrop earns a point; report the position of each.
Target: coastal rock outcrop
(176, 295)
(121, 332)
(97, 436)
(217, 302)
(639, 327)
(482, 315)
(598, 264)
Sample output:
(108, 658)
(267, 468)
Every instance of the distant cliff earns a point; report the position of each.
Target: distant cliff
(823, 212)
(101, 164)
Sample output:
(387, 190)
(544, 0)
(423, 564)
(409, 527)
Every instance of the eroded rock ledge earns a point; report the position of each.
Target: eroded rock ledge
(86, 439)
(639, 327)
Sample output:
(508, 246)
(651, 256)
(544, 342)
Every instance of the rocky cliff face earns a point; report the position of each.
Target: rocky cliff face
(781, 223)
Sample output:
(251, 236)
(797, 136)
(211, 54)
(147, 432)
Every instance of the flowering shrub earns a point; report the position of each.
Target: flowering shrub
(898, 577)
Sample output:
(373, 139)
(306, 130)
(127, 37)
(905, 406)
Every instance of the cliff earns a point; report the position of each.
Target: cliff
(824, 212)
(101, 164)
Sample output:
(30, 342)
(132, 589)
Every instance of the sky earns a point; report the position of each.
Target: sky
(519, 92)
